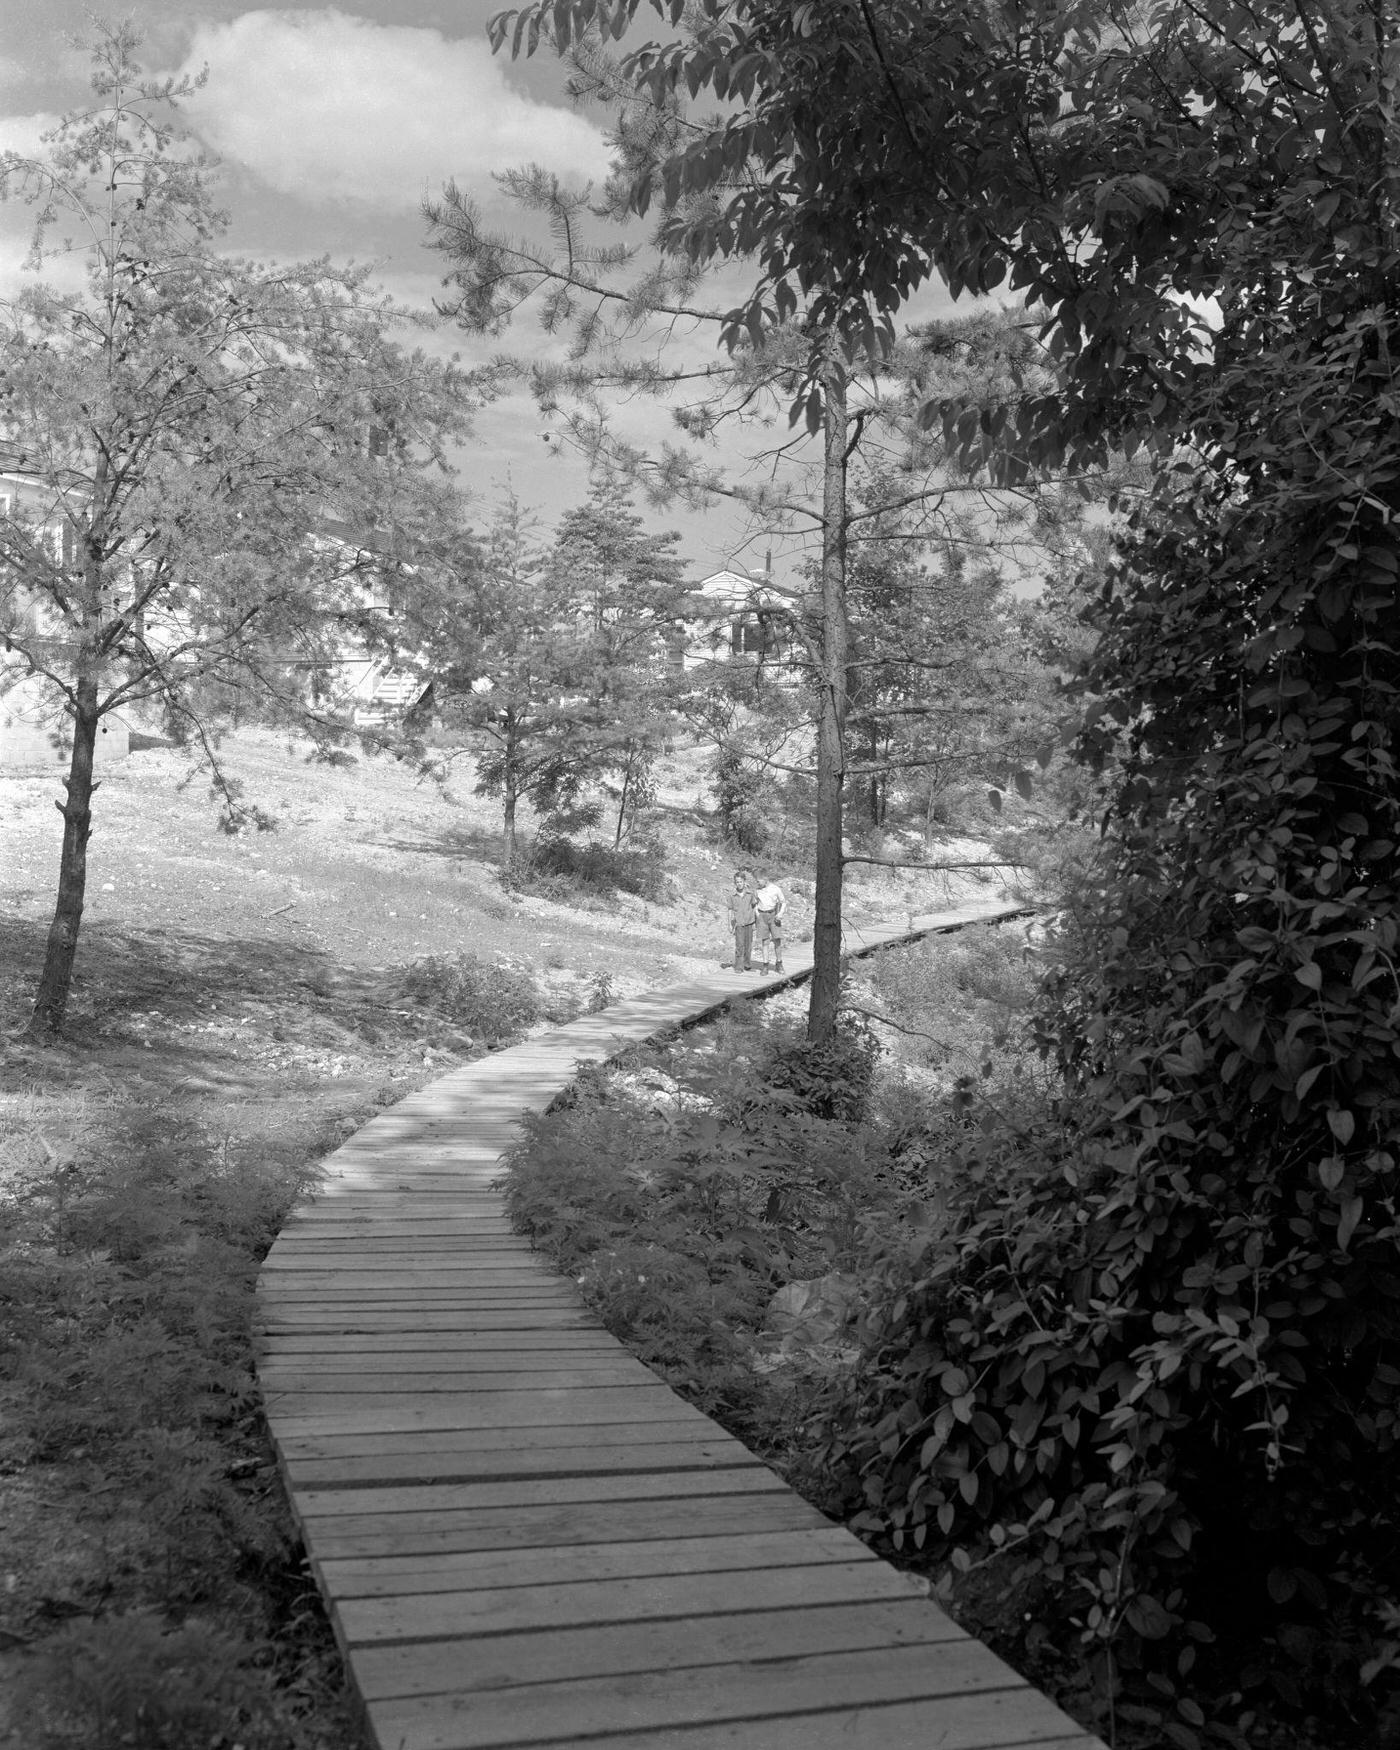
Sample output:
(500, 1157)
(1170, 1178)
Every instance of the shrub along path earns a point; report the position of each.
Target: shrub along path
(522, 1535)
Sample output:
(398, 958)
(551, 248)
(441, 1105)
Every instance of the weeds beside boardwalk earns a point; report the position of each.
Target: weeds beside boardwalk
(154, 1590)
(731, 1203)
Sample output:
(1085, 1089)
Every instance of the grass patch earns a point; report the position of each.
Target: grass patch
(132, 1242)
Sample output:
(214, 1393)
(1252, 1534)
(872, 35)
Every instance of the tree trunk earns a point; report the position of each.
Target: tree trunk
(51, 1002)
(622, 803)
(831, 722)
(508, 832)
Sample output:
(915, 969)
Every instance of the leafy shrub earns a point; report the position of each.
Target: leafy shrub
(640, 869)
(831, 1080)
(556, 868)
(489, 1002)
(1136, 1376)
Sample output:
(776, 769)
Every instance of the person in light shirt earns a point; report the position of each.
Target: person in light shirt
(769, 904)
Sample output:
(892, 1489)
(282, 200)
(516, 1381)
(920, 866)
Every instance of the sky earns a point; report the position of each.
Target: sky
(331, 125)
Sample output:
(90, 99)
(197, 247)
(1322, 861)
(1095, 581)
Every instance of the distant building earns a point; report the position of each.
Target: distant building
(742, 619)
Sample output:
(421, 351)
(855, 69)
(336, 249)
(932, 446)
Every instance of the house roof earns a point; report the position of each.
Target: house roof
(737, 589)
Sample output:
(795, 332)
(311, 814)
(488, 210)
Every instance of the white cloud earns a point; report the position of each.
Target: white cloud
(23, 133)
(323, 105)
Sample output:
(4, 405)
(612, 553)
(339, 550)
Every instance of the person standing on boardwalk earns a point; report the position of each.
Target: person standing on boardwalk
(769, 904)
(740, 904)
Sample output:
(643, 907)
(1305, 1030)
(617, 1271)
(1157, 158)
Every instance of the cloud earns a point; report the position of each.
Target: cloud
(24, 133)
(325, 106)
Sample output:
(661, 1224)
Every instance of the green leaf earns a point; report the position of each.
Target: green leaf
(1149, 1618)
(1306, 1080)
(1348, 1221)
(1282, 1584)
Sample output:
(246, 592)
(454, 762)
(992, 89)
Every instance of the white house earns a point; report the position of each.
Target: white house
(742, 619)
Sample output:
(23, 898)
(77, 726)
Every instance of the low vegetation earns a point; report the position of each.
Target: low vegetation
(893, 1275)
(726, 1200)
(557, 867)
(155, 1583)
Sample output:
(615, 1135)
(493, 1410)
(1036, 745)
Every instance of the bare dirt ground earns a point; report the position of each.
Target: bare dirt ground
(366, 865)
(368, 868)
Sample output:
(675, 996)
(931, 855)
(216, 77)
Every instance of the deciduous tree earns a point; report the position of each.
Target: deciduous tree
(191, 444)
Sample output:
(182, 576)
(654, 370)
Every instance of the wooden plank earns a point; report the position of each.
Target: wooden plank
(378, 1240)
(558, 1655)
(517, 1527)
(311, 1413)
(451, 1357)
(960, 1723)
(423, 1462)
(459, 1272)
(469, 1440)
(475, 1211)
(976, 1702)
(455, 1411)
(295, 1294)
(293, 1382)
(325, 1223)
(464, 1319)
(429, 1290)
(535, 1492)
(495, 1344)
(343, 1285)
(489, 1570)
(633, 1598)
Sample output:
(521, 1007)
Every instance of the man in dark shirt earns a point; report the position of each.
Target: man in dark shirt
(740, 904)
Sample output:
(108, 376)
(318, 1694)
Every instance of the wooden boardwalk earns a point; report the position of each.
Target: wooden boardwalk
(523, 1537)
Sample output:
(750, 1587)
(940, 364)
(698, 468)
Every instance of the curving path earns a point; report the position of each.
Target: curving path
(523, 1537)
